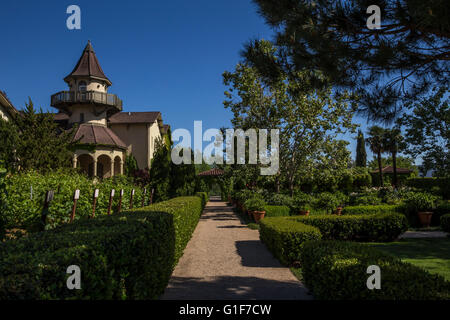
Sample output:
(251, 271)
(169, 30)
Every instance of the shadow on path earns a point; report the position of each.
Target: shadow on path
(233, 288)
(254, 254)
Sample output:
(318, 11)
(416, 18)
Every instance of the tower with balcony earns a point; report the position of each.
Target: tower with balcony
(87, 104)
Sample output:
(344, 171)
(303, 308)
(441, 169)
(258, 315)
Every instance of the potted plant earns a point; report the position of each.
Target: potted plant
(422, 203)
(304, 210)
(301, 204)
(255, 206)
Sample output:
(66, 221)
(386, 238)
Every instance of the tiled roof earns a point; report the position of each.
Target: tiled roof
(134, 117)
(212, 172)
(98, 135)
(390, 169)
(88, 66)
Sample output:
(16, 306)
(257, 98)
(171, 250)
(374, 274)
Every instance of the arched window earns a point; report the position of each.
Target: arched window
(82, 86)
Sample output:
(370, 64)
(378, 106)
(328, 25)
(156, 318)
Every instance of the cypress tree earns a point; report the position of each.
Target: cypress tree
(361, 155)
(160, 170)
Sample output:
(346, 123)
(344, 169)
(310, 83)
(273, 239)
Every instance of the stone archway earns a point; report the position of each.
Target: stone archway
(104, 168)
(117, 165)
(86, 163)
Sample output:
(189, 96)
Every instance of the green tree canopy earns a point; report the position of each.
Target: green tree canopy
(309, 119)
(427, 132)
(32, 140)
(9, 137)
(386, 66)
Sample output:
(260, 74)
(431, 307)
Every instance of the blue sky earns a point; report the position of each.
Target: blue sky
(165, 56)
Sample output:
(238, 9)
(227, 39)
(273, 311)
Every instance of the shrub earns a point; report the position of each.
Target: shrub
(26, 192)
(284, 237)
(126, 245)
(204, 197)
(335, 270)
(361, 178)
(186, 212)
(367, 200)
(445, 222)
(428, 184)
(3, 201)
(374, 227)
(244, 195)
(255, 204)
(279, 199)
(440, 210)
(420, 201)
(129, 255)
(327, 201)
(345, 181)
(301, 202)
(276, 211)
(372, 209)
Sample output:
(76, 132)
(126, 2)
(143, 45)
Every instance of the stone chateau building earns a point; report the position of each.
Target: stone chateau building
(106, 134)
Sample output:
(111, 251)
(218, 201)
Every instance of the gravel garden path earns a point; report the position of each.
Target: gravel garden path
(226, 260)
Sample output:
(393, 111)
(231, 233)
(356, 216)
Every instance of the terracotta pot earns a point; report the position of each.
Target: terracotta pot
(258, 215)
(425, 218)
(339, 211)
(304, 212)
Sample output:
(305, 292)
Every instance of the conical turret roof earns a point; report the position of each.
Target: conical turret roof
(88, 66)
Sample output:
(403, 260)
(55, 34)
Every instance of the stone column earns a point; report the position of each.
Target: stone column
(74, 160)
(95, 166)
(112, 168)
(121, 166)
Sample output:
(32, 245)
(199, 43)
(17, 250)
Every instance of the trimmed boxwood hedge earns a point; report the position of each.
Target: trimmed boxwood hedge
(445, 222)
(204, 196)
(428, 184)
(129, 255)
(374, 227)
(372, 209)
(284, 237)
(335, 270)
(440, 210)
(277, 211)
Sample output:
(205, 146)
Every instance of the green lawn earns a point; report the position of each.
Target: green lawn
(430, 254)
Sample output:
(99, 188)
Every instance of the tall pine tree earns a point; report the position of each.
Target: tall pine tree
(34, 141)
(361, 155)
(388, 67)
